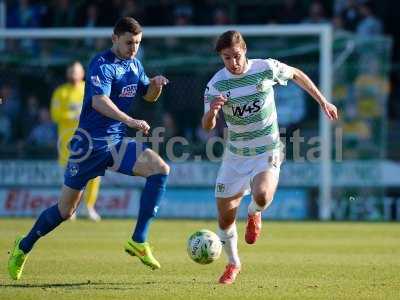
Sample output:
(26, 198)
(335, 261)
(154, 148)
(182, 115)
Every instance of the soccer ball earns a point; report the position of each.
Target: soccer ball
(204, 246)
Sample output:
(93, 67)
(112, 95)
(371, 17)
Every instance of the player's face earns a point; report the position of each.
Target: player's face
(75, 73)
(234, 59)
(127, 44)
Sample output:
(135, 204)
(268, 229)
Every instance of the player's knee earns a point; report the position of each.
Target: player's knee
(153, 165)
(263, 198)
(159, 167)
(67, 213)
(225, 222)
(164, 168)
(66, 210)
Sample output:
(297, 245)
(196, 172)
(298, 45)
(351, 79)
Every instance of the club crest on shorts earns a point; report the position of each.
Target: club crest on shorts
(220, 187)
(273, 160)
(73, 169)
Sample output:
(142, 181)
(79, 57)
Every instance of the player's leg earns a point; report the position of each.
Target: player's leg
(227, 232)
(151, 166)
(90, 197)
(263, 187)
(48, 220)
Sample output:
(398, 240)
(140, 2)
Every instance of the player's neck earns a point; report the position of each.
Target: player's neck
(246, 67)
(116, 53)
(75, 83)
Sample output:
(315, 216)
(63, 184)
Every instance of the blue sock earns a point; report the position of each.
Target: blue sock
(49, 219)
(151, 196)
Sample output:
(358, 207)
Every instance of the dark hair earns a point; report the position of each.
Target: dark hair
(73, 63)
(127, 24)
(229, 39)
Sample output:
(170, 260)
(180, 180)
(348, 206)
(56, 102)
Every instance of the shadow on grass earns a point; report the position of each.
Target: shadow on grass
(82, 285)
(99, 285)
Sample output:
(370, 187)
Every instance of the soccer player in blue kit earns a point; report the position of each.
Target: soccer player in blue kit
(115, 79)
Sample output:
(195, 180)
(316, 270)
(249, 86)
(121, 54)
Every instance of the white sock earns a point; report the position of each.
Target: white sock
(229, 239)
(255, 208)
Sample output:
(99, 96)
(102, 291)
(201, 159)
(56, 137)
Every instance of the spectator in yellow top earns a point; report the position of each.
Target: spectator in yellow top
(66, 105)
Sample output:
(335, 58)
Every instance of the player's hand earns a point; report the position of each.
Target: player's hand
(217, 103)
(330, 110)
(139, 125)
(159, 81)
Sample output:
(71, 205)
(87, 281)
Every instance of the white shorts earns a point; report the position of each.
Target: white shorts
(237, 172)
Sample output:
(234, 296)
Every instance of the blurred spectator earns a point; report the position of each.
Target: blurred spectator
(220, 17)
(316, 14)
(159, 13)
(203, 135)
(91, 17)
(22, 13)
(111, 11)
(183, 14)
(369, 24)
(169, 126)
(371, 89)
(350, 15)
(132, 9)
(5, 128)
(337, 23)
(66, 106)
(11, 103)
(357, 132)
(62, 13)
(29, 116)
(289, 12)
(291, 105)
(44, 134)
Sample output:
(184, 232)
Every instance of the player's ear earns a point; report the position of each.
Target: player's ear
(114, 38)
(244, 50)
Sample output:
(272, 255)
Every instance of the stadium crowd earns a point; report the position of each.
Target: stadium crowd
(37, 137)
(353, 15)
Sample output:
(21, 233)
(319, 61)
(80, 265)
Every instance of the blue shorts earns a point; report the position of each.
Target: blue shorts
(89, 161)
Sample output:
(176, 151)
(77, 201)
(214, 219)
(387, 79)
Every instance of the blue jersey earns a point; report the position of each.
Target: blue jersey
(122, 81)
(91, 148)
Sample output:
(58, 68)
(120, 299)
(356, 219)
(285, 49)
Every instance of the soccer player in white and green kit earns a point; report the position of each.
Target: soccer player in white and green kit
(243, 89)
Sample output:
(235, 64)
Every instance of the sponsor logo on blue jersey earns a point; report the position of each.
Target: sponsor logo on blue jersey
(129, 91)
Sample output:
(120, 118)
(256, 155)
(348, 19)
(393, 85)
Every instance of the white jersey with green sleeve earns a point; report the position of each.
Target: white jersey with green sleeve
(250, 111)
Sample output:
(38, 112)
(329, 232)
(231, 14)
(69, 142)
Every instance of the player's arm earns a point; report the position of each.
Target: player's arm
(301, 79)
(104, 105)
(55, 107)
(209, 119)
(155, 88)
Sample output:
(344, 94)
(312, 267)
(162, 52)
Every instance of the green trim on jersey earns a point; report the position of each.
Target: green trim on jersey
(259, 116)
(254, 151)
(233, 83)
(245, 136)
(248, 98)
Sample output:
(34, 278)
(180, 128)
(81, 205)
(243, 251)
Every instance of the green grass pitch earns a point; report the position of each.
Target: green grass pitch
(305, 260)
